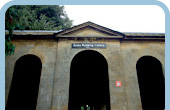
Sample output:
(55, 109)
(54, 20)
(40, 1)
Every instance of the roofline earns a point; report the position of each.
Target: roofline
(51, 32)
(143, 34)
(89, 24)
(33, 32)
(43, 34)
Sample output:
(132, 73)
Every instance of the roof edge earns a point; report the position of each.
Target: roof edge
(89, 24)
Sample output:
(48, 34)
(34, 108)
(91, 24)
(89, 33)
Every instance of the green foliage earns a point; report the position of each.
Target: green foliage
(39, 17)
(9, 48)
(82, 108)
(34, 17)
(10, 25)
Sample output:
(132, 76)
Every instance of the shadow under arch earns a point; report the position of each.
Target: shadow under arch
(89, 82)
(24, 88)
(151, 83)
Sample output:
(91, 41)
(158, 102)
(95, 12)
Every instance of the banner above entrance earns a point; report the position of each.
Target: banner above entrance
(89, 45)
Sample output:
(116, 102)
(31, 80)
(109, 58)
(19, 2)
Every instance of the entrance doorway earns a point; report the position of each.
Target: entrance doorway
(25, 84)
(151, 83)
(89, 82)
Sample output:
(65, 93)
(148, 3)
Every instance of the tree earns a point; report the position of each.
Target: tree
(34, 17)
(40, 17)
(10, 25)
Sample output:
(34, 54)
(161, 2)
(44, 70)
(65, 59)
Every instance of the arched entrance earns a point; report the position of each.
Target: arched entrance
(25, 84)
(89, 82)
(151, 83)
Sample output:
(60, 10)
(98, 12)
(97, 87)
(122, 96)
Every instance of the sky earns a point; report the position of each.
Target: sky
(125, 18)
(122, 18)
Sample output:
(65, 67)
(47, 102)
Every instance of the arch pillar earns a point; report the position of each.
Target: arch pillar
(25, 83)
(151, 83)
(89, 82)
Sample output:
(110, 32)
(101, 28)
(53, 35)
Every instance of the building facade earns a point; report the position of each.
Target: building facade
(86, 66)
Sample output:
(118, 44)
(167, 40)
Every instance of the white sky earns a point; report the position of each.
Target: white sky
(122, 18)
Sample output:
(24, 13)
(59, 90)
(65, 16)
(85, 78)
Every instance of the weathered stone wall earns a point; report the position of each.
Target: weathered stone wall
(44, 49)
(56, 57)
(132, 51)
(65, 54)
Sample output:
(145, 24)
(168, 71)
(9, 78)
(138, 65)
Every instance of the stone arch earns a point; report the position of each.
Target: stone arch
(151, 83)
(89, 81)
(24, 88)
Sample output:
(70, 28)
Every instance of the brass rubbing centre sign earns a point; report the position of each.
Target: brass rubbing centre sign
(89, 45)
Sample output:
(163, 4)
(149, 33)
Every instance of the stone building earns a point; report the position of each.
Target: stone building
(86, 67)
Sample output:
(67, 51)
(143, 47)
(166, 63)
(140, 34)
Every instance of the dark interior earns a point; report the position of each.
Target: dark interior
(89, 83)
(25, 84)
(151, 83)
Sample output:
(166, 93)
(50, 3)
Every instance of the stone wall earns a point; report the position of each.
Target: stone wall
(44, 49)
(56, 57)
(132, 51)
